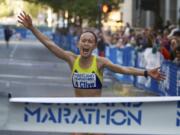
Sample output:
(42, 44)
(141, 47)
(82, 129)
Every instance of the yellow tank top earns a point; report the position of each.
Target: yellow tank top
(86, 78)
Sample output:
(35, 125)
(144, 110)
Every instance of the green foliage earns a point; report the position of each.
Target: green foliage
(2, 1)
(5, 9)
(32, 8)
(85, 9)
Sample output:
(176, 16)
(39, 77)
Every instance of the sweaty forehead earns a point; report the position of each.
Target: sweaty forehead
(87, 35)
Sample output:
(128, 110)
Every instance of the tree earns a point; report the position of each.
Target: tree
(2, 1)
(5, 9)
(32, 8)
(81, 9)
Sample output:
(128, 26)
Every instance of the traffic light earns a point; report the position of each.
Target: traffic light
(106, 8)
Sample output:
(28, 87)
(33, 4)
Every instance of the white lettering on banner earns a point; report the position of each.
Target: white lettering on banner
(121, 115)
(178, 114)
(84, 80)
(133, 58)
(178, 83)
(141, 60)
(107, 52)
(164, 85)
(120, 57)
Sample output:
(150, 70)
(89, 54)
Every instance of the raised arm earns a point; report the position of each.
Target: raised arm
(26, 21)
(153, 73)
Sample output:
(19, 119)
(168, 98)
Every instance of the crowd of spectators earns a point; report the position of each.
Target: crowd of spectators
(159, 43)
(165, 41)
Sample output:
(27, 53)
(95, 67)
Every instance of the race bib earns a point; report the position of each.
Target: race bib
(84, 81)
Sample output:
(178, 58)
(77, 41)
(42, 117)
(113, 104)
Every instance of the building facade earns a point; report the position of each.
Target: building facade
(137, 16)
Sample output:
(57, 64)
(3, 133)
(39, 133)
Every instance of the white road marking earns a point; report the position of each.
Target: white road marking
(33, 77)
(28, 63)
(13, 51)
(7, 83)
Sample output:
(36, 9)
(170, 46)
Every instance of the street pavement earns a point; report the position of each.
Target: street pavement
(28, 69)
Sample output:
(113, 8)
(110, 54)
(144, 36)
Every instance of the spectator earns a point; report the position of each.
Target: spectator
(165, 41)
(174, 44)
(114, 39)
(127, 29)
(165, 53)
(101, 44)
(120, 43)
(175, 31)
(177, 58)
(152, 58)
(7, 35)
(168, 23)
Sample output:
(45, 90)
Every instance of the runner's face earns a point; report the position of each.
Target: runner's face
(87, 44)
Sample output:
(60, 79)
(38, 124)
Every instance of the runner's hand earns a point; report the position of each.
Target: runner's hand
(25, 20)
(156, 74)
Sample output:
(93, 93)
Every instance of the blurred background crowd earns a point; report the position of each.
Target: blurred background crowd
(164, 43)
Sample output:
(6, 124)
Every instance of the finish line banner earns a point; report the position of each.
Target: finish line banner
(133, 115)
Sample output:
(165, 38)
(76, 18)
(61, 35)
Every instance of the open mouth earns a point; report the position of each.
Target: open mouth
(85, 51)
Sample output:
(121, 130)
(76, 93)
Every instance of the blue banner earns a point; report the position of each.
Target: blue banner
(24, 33)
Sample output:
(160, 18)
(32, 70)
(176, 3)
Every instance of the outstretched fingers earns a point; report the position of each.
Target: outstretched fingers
(24, 19)
(161, 76)
(22, 15)
(157, 74)
(20, 22)
(20, 18)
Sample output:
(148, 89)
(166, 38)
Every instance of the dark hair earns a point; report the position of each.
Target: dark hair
(176, 33)
(91, 33)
